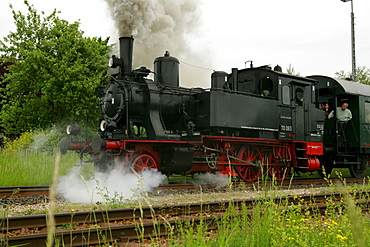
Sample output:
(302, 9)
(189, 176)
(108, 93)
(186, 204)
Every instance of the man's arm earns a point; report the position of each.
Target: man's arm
(331, 114)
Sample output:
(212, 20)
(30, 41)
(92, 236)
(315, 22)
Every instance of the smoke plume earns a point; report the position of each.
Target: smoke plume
(164, 25)
(105, 187)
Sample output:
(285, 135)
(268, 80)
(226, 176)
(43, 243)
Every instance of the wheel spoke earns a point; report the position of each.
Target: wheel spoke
(249, 172)
(277, 168)
(278, 172)
(142, 162)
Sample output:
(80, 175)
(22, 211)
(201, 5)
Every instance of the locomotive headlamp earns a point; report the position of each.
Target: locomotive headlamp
(115, 62)
(73, 129)
(105, 125)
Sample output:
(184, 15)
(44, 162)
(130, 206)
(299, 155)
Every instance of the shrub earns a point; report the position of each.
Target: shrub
(37, 141)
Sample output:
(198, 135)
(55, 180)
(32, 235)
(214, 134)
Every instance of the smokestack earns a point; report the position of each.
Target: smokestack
(126, 45)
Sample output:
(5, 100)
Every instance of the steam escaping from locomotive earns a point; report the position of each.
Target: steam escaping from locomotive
(160, 26)
(104, 187)
(218, 179)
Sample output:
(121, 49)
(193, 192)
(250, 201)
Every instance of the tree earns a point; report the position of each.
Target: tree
(56, 72)
(290, 70)
(363, 75)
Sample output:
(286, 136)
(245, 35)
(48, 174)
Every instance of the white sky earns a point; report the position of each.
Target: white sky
(313, 36)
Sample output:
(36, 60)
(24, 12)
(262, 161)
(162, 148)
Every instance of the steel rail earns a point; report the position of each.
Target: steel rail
(24, 191)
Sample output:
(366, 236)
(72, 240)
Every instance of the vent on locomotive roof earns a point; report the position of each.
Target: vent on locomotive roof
(277, 68)
(166, 69)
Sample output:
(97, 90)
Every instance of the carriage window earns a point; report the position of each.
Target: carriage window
(367, 112)
(286, 95)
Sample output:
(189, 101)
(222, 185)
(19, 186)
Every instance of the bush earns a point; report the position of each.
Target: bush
(38, 141)
(18, 144)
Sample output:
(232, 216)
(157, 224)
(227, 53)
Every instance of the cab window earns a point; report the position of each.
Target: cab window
(286, 95)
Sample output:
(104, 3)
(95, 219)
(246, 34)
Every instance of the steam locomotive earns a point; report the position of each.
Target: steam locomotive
(250, 122)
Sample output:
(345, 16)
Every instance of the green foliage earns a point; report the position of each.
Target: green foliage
(39, 140)
(24, 141)
(55, 76)
(290, 70)
(35, 141)
(278, 224)
(362, 74)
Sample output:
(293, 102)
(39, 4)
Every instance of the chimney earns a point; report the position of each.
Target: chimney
(126, 45)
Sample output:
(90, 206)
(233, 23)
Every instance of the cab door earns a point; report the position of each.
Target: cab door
(299, 113)
(285, 121)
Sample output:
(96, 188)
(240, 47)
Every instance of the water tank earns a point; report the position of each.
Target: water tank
(166, 69)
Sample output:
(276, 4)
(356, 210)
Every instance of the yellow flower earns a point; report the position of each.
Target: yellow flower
(341, 237)
(72, 210)
(333, 222)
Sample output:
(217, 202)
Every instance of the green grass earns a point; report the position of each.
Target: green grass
(272, 224)
(31, 168)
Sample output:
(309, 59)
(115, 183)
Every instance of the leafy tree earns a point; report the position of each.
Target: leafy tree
(290, 70)
(55, 75)
(362, 74)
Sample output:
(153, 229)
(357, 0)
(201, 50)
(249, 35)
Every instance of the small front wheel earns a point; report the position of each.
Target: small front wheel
(141, 162)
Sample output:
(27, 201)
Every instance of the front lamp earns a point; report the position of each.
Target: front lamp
(73, 129)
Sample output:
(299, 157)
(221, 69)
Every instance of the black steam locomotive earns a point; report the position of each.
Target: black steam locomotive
(251, 121)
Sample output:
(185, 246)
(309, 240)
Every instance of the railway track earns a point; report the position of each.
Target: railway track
(24, 191)
(125, 225)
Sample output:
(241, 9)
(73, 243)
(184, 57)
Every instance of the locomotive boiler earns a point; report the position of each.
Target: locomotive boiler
(251, 121)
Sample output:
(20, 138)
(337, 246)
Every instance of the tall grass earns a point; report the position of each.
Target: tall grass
(25, 168)
(270, 224)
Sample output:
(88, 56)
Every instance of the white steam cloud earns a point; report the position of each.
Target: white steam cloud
(217, 179)
(116, 184)
(165, 25)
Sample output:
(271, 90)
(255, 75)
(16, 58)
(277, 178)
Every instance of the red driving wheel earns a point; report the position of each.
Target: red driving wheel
(250, 172)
